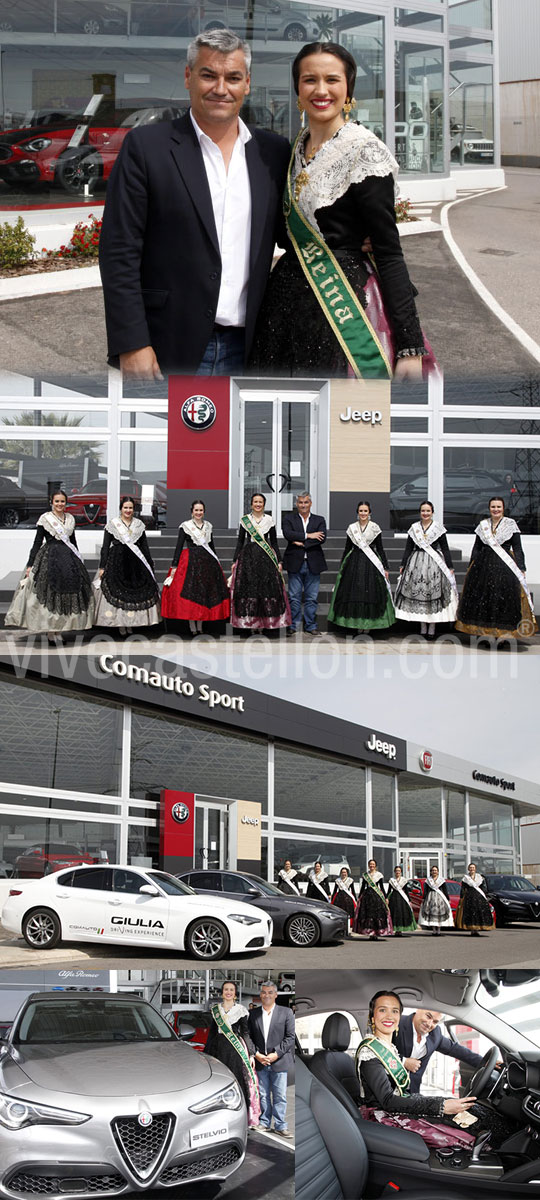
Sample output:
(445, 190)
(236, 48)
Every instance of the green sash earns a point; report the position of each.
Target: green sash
(336, 297)
(390, 1061)
(236, 1042)
(255, 533)
(376, 889)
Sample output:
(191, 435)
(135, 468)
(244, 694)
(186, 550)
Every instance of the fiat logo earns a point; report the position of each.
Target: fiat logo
(198, 412)
(145, 1119)
(426, 760)
(180, 812)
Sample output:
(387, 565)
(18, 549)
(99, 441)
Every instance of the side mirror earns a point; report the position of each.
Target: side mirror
(253, 891)
(148, 889)
(185, 1032)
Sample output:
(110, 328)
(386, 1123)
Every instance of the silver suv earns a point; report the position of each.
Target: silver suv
(286, 22)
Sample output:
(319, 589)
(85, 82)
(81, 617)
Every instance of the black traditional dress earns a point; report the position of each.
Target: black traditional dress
(259, 599)
(435, 909)
(361, 598)
(127, 594)
(495, 598)
(56, 597)
(401, 912)
(426, 590)
(318, 887)
(198, 589)
(344, 896)
(474, 912)
(287, 882)
(384, 1083)
(372, 915)
(346, 193)
(235, 1051)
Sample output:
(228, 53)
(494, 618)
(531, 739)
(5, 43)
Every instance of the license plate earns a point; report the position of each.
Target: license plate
(214, 1127)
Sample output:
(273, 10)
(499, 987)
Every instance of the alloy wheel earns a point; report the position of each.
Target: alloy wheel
(40, 929)
(208, 939)
(302, 931)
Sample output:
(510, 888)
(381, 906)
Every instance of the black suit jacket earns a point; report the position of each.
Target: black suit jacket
(293, 531)
(159, 253)
(280, 1036)
(436, 1043)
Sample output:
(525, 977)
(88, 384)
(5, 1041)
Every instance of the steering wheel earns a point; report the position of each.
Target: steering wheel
(481, 1076)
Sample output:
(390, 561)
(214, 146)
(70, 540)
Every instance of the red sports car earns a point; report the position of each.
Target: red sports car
(43, 860)
(199, 1019)
(416, 895)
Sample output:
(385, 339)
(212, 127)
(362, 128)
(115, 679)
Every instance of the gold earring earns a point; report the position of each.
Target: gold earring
(302, 113)
(349, 104)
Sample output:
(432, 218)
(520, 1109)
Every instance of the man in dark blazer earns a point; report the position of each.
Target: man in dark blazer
(192, 215)
(419, 1036)
(304, 560)
(272, 1031)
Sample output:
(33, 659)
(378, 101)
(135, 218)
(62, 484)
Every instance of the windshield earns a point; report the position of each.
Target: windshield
(518, 1007)
(510, 883)
(170, 885)
(267, 889)
(53, 1021)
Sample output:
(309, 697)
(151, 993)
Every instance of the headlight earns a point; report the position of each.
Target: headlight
(37, 144)
(503, 901)
(17, 1114)
(229, 1097)
(244, 920)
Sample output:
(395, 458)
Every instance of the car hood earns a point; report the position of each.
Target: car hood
(105, 1069)
(219, 905)
(10, 137)
(532, 897)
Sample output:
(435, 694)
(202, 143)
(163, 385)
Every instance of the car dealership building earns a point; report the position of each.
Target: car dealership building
(141, 761)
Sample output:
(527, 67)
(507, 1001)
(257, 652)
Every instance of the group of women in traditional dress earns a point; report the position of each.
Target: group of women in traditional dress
(383, 909)
(495, 600)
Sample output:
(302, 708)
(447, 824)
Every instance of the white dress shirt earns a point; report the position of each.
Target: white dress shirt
(266, 1018)
(231, 201)
(419, 1047)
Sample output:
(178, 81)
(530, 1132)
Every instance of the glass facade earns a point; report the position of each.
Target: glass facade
(77, 75)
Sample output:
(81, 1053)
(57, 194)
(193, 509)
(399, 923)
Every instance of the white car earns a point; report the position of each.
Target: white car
(133, 907)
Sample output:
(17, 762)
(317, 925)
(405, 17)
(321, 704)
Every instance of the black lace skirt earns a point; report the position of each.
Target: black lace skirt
(372, 915)
(491, 600)
(61, 581)
(473, 911)
(259, 600)
(126, 583)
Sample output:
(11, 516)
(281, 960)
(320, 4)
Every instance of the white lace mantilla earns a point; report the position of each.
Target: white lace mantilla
(505, 530)
(352, 155)
(55, 525)
(126, 533)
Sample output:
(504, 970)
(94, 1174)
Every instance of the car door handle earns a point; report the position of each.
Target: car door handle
(115, 902)
(63, 895)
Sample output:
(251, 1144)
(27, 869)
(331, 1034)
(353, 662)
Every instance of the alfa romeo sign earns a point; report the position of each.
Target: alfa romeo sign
(198, 412)
(180, 813)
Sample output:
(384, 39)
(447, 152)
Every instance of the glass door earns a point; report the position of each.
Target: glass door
(419, 863)
(278, 450)
(211, 850)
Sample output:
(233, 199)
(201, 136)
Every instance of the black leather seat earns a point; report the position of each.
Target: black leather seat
(334, 1067)
(331, 1155)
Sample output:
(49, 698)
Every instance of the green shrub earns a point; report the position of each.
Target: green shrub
(403, 211)
(16, 243)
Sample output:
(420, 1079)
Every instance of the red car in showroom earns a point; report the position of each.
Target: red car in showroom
(416, 895)
(72, 149)
(44, 859)
(88, 503)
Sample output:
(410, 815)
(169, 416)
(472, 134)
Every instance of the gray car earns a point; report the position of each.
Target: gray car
(99, 1096)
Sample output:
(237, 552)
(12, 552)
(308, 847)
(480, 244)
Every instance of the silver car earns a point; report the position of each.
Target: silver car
(99, 1096)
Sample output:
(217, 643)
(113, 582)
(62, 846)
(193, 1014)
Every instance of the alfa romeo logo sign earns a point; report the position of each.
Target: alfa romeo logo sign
(180, 812)
(198, 412)
(145, 1119)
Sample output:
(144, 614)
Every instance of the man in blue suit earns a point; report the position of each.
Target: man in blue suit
(304, 560)
(419, 1036)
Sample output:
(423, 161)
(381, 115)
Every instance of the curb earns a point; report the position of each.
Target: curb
(24, 286)
(498, 311)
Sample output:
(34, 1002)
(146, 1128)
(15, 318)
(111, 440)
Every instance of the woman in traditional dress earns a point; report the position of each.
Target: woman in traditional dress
(229, 1041)
(318, 887)
(55, 593)
(372, 915)
(195, 589)
(126, 592)
(426, 589)
(288, 879)
(495, 598)
(259, 599)
(435, 909)
(385, 1083)
(344, 895)
(400, 906)
(474, 912)
(331, 307)
(362, 599)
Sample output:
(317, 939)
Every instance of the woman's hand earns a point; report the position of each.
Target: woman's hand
(280, 568)
(27, 572)
(229, 582)
(408, 368)
(458, 1104)
(386, 576)
(172, 572)
(101, 572)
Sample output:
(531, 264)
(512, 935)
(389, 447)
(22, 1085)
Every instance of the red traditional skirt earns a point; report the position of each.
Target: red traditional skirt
(198, 591)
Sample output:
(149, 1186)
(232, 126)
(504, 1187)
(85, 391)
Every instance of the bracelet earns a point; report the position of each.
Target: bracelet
(412, 353)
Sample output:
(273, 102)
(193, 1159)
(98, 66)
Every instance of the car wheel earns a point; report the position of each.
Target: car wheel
(9, 518)
(207, 939)
(91, 25)
(41, 929)
(73, 173)
(302, 931)
(295, 33)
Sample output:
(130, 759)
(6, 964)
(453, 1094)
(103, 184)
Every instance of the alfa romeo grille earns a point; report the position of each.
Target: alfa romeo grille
(179, 1172)
(26, 1184)
(142, 1147)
